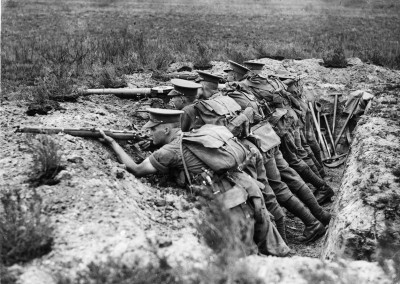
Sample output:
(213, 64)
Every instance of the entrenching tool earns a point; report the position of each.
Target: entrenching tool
(318, 107)
(324, 150)
(334, 111)
(346, 122)
(335, 160)
(324, 115)
(323, 131)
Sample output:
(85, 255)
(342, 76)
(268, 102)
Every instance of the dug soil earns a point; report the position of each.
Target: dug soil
(100, 210)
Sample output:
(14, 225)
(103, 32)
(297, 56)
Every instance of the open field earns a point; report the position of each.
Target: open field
(75, 37)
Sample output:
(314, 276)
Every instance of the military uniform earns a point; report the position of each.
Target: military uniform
(283, 194)
(281, 175)
(273, 95)
(169, 158)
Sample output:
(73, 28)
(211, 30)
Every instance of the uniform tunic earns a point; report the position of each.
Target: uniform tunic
(169, 158)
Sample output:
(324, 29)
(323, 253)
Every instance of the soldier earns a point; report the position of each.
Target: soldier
(307, 136)
(314, 228)
(271, 92)
(175, 157)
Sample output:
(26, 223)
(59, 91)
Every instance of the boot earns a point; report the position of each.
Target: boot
(320, 167)
(310, 177)
(314, 229)
(324, 194)
(306, 196)
(314, 168)
(281, 226)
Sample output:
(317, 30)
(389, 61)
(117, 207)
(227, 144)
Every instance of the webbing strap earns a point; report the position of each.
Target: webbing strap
(184, 163)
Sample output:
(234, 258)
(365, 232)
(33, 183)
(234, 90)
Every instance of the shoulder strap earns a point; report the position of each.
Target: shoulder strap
(184, 163)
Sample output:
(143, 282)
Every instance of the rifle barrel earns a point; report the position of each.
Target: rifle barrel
(122, 91)
(85, 132)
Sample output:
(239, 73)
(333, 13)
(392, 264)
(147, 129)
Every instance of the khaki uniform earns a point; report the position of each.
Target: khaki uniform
(169, 158)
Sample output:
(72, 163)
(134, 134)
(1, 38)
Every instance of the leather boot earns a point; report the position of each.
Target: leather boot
(306, 196)
(314, 168)
(281, 226)
(320, 167)
(313, 228)
(324, 194)
(310, 177)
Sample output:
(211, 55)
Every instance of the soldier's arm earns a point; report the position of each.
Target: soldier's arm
(138, 170)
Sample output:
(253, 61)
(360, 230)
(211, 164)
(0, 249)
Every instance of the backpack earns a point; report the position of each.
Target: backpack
(268, 89)
(218, 111)
(216, 147)
(245, 99)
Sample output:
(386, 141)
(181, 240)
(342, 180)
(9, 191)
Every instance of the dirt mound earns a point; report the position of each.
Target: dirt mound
(101, 211)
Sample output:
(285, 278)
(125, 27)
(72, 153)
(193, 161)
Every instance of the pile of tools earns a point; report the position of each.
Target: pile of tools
(334, 153)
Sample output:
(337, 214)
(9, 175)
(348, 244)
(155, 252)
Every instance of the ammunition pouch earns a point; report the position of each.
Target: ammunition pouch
(233, 197)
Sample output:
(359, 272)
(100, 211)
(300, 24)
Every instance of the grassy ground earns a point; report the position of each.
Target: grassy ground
(75, 38)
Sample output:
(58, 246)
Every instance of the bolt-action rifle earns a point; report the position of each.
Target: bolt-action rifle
(160, 91)
(91, 133)
(87, 132)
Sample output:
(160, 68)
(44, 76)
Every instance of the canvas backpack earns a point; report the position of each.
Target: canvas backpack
(246, 99)
(218, 111)
(216, 147)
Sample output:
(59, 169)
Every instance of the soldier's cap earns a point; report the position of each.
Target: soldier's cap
(238, 68)
(160, 116)
(254, 65)
(209, 79)
(283, 74)
(277, 115)
(184, 88)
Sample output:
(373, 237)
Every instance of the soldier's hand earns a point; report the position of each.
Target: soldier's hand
(107, 139)
(145, 144)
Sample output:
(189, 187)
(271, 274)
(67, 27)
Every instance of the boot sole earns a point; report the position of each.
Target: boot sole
(316, 236)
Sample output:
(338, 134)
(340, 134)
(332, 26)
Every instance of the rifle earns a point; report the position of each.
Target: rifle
(86, 132)
(160, 91)
(91, 133)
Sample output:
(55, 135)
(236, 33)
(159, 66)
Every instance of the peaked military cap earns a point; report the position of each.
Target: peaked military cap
(277, 115)
(254, 66)
(209, 79)
(283, 74)
(184, 88)
(236, 67)
(160, 116)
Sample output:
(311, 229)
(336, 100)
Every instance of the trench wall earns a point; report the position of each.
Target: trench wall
(366, 225)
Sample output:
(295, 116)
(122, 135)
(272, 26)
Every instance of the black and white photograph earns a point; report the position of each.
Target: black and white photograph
(200, 142)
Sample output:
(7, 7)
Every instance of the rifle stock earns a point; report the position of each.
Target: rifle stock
(86, 132)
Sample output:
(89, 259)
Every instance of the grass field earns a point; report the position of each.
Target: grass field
(73, 39)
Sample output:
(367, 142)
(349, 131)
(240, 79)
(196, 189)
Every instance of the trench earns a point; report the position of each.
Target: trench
(366, 218)
(365, 208)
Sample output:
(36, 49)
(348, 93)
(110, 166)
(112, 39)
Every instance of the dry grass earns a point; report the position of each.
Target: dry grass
(46, 160)
(71, 37)
(25, 232)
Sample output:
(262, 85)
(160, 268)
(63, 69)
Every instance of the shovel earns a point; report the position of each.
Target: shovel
(335, 160)
(324, 150)
(335, 102)
(345, 123)
(318, 108)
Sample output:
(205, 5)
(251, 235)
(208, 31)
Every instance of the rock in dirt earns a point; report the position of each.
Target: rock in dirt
(43, 108)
